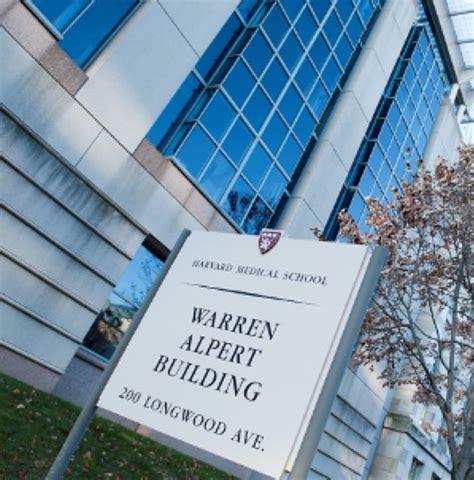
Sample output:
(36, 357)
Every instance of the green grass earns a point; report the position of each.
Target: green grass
(33, 426)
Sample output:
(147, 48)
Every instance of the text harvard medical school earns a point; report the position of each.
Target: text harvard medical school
(261, 272)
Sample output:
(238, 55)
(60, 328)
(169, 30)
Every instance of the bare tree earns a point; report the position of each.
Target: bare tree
(420, 325)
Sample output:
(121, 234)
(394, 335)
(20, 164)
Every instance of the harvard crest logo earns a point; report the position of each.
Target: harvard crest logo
(268, 239)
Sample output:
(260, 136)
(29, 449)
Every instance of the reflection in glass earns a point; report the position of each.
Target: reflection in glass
(332, 28)
(291, 51)
(304, 126)
(344, 51)
(292, 7)
(218, 175)
(275, 133)
(257, 108)
(123, 303)
(196, 150)
(273, 187)
(238, 141)
(239, 82)
(306, 27)
(318, 99)
(257, 165)
(238, 200)
(258, 53)
(217, 116)
(331, 74)
(320, 8)
(61, 12)
(290, 104)
(276, 111)
(276, 26)
(274, 79)
(319, 52)
(290, 155)
(257, 217)
(96, 23)
(305, 77)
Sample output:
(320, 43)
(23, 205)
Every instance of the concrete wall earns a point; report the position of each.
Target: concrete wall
(59, 238)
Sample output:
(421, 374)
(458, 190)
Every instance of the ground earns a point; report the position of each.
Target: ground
(33, 426)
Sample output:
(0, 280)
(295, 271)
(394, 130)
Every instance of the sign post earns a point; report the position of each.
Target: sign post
(242, 348)
(87, 413)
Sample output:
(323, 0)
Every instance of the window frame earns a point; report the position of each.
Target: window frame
(60, 36)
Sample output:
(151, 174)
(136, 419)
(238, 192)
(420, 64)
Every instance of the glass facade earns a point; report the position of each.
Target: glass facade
(83, 26)
(123, 302)
(399, 130)
(250, 111)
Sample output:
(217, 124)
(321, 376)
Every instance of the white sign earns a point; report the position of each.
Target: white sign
(235, 347)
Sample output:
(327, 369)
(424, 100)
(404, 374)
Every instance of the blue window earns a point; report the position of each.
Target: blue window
(275, 133)
(273, 187)
(83, 26)
(331, 74)
(275, 79)
(243, 131)
(344, 51)
(171, 114)
(345, 9)
(305, 77)
(217, 116)
(319, 52)
(239, 82)
(258, 53)
(257, 108)
(257, 165)
(238, 200)
(304, 126)
(226, 36)
(238, 141)
(318, 99)
(290, 104)
(355, 29)
(398, 132)
(292, 7)
(365, 9)
(320, 8)
(291, 51)
(197, 141)
(290, 155)
(332, 28)
(217, 176)
(306, 27)
(257, 217)
(276, 26)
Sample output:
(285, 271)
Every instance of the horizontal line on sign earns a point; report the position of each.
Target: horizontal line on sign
(249, 294)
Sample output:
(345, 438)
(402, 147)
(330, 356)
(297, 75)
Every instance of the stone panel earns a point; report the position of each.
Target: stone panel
(37, 99)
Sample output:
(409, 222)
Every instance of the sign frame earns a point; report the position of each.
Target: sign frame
(317, 411)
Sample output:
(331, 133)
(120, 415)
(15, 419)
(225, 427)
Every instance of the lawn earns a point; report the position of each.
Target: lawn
(33, 426)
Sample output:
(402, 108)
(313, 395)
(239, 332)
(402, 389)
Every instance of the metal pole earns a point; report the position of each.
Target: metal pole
(82, 422)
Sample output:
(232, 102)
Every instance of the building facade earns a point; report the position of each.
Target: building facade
(124, 122)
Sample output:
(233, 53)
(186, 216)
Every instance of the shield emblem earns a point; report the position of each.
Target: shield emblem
(268, 239)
